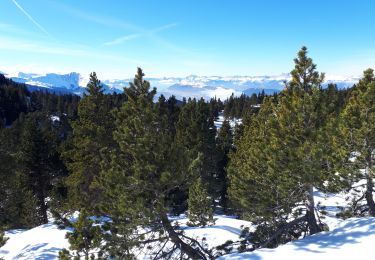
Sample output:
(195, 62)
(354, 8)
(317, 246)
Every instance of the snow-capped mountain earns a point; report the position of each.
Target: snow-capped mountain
(71, 82)
(61, 83)
(190, 86)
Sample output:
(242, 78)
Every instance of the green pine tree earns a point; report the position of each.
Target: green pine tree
(358, 136)
(224, 141)
(199, 204)
(250, 172)
(140, 175)
(17, 202)
(84, 240)
(92, 133)
(35, 164)
(286, 149)
(195, 130)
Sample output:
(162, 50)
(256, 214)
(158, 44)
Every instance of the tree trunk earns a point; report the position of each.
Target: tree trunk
(369, 186)
(43, 209)
(282, 231)
(369, 197)
(310, 212)
(42, 201)
(191, 252)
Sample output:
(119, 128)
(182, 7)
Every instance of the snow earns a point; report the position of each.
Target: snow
(199, 86)
(233, 122)
(69, 81)
(55, 118)
(349, 239)
(42, 242)
(225, 228)
(352, 239)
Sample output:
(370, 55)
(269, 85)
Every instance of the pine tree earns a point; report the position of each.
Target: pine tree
(358, 136)
(287, 149)
(250, 171)
(171, 110)
(195, 130)
(17, 202)
(224, 141)
(229, 107)
(34, 162)
(92, 133)
(139, 176)
(85, 238)
(199, 203)
(20, 206)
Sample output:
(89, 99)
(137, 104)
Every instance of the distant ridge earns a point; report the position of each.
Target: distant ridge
(191, 86)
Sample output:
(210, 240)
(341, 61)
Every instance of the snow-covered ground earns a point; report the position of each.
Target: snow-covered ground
(347, 239)
(225, 228)
(42, 242)
(352, 239)
(45, 242)
(233, 122)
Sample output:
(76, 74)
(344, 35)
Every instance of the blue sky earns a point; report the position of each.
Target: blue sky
(179, 38)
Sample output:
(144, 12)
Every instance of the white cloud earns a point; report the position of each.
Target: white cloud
(138, 31)
(124, 39)
(30, 18)
(144, 33)
(57, 49)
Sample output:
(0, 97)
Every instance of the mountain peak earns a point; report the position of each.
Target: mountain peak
(190, 86)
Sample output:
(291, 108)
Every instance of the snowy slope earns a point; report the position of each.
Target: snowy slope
(71, 82)
(225, 228)
(44, 242)
(345, 237)
(352, 239)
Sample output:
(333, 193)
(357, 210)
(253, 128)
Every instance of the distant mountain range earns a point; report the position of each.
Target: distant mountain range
(190, 86)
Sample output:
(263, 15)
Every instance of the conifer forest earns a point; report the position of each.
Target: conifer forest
(118, 169)
(187, 130)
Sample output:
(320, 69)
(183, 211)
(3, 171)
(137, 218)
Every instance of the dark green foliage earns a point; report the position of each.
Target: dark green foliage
(139, 176)
(92, 132)
(216, 106)
(31, 166)
(13, 100)
(17, 105)
(264, 234)
(240, 107)
(171, 110)
(196, 132)
(249, 190)
(357, 136)
(35, 163)
(224, 142)
(137, 161)
(199, 203)
(16, 99)
(225, 248)
(287, 149)
(17, 203)
(84, 239)
(20, 206)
